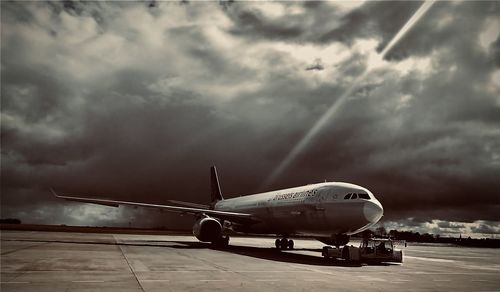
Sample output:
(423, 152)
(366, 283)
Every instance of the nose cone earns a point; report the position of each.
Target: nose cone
(373, 211)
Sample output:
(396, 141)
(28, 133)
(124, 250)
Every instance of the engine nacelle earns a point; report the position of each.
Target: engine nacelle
(207, 229)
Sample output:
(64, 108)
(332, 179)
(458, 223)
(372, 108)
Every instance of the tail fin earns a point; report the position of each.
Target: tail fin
(215, 191)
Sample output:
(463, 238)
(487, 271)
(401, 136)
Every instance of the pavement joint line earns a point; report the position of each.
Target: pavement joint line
(129, 266)
(23, 248)
(156, 280)
(14, 282)
(24, 272)
(475, 280)
(88, 281)
(266, 280)
(441, 280)
(213, 280)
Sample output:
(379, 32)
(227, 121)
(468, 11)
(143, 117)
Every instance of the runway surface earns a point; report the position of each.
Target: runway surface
(56, 261)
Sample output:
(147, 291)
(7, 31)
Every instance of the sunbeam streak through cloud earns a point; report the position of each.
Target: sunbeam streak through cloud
(337, 104)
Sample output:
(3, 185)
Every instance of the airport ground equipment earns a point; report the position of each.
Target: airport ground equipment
(369, 251)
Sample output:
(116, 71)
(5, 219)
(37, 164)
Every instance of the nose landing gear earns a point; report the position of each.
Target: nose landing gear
(284, 243)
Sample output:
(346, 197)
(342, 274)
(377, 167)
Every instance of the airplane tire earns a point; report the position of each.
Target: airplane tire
(324, 252)
(221, 242)
(345, 253)
(277, 243)
(284, 243)
(290, 244)
(225, 241)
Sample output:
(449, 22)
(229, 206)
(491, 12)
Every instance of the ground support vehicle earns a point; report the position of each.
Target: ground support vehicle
(369, 251)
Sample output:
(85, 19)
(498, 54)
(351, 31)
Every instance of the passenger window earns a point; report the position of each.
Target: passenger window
(354, 196)
(347, 196)
(364, 196)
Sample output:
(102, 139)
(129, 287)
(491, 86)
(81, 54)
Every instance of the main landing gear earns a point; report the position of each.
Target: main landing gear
(284, 243)
(221, 242)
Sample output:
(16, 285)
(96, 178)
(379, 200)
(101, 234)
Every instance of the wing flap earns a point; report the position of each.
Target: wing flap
(189, 204)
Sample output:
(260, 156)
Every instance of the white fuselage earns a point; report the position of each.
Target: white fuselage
(313, 210)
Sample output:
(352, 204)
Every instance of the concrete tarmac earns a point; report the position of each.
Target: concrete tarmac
(57, 261)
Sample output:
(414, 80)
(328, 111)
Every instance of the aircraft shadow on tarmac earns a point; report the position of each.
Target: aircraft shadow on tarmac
(266, 253)
(271, 253)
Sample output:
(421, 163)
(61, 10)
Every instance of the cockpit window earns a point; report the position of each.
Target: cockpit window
(354, 196)
(347, 196)
(364, 196)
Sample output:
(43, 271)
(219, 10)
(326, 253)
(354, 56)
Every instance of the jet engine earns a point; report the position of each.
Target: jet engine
(207, 229)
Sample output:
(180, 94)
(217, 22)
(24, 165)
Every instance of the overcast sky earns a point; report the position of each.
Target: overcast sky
(135, 101)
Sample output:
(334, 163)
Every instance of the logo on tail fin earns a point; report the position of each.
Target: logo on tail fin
(215, 191)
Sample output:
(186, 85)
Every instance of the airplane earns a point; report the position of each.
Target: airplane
(329, 212)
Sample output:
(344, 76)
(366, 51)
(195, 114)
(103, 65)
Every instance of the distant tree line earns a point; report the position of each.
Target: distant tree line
(411, 236)
(10, 221)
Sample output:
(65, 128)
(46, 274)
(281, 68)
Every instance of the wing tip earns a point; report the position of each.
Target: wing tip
(54, 192)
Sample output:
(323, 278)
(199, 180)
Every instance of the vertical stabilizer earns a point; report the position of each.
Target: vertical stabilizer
(215, 191)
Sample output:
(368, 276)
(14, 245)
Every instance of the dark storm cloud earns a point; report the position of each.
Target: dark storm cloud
(135, 102)
(446, 24)
(380, 19)
(495, 48)
(254, 23)
(322, 22)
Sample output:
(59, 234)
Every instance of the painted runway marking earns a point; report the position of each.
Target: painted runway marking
(293, 271)
(369, 278)
(444, 273)
(186, 271)
(430, 259)
(424, 251)
(448, 256)
(315, 280)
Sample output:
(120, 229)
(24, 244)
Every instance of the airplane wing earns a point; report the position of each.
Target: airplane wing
(229, 216)
(189, 204)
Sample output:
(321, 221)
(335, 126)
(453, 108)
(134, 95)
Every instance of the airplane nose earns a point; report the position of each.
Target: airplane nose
(373, 211)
